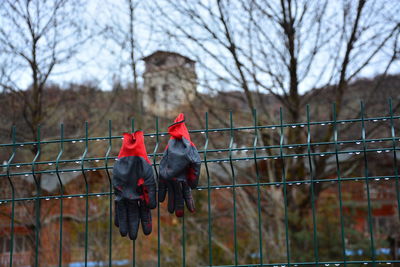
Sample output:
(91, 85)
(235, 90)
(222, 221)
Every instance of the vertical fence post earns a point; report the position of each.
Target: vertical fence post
(61, 186)
(315, 234)
(281, 142)
(339, 177)
(233, 187)
(37, 200)
(183, 241)
(86, 193)
(158, 206)
(366, 174)
(133, 241)
(258, 186)
(12, 195)
(395, 164)
(210, 254)
(110, 193)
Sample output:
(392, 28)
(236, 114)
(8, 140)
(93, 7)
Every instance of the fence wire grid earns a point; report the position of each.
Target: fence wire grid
(56, 213)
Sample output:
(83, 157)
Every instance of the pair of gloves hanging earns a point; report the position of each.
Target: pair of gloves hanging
(135, 186)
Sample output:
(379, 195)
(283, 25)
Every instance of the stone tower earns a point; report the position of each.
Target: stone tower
(169, 82)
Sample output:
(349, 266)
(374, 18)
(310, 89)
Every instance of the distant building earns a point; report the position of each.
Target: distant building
(169, 81)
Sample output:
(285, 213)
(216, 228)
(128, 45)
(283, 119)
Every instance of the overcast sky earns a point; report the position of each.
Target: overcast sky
(101, 61)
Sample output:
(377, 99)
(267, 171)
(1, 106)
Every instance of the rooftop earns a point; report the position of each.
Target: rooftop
(161, 52)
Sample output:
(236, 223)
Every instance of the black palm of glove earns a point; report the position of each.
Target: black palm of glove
(179, 169)
(134, 187)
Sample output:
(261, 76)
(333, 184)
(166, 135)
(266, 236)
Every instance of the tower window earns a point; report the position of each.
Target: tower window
(165, 87)
(153, 94)
(188, 63)
(165, 91)
(159, 61)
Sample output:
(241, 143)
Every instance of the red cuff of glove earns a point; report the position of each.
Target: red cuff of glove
(178, 129)
(133, 145)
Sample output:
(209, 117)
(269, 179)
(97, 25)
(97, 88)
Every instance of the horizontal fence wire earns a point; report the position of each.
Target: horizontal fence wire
(246, 155)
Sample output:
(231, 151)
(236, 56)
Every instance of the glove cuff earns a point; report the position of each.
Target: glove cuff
(178, 129)
(133, 145)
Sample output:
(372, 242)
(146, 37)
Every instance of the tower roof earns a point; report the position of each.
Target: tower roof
(161, 52)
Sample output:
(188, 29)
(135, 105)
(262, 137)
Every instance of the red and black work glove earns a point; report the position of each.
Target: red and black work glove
(134, 187)
(179, 169)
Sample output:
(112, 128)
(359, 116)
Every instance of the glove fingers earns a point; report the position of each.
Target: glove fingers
(122, 214)
(162, 190)
(145, 218)
(133, 218)
(187, 195)
(171, 197)
(179, 206)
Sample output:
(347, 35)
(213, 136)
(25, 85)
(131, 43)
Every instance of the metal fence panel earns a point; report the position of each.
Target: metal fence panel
(232, 155)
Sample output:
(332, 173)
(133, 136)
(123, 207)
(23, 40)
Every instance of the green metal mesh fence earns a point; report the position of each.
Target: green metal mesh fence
(260, 203)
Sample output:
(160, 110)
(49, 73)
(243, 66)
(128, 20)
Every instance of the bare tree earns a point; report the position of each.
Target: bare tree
(284, 48)
(130, 36)
(35, 38)
(278, 47)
